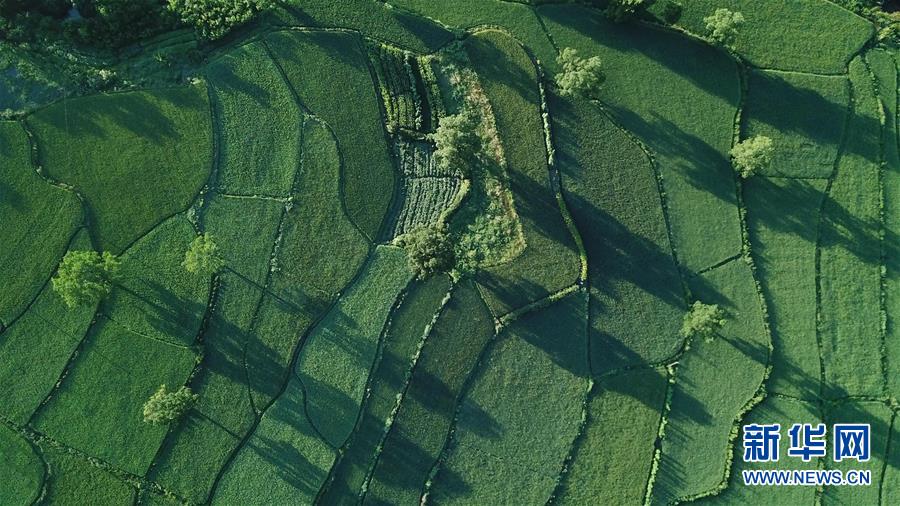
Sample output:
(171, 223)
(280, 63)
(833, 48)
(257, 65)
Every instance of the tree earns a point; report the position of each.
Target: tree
(214, 18)
(165, 407)
(622, 10)
(723, 26)
(579, 76)
(85, 277)
(202, 256)
(752, 155)
(457, 142)
(429, 250)
(703, 320)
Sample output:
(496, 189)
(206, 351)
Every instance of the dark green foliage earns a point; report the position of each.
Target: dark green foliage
(623, 10)
(203, 256)
(21, 470)
(85, 277)
(458, 143)
(214, 18)
(722, 26)
(703, 320)
(165, 407)
(581, 76)
(428, 249)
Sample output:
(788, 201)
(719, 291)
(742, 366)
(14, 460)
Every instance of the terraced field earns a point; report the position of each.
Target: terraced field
(547, 362)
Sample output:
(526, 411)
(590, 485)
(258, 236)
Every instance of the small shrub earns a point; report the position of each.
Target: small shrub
(165, 407)
(623, 10)
(752, 155)
(202, 256)
(429, 250)
(703, 320)
(85, 277)
(723, 26)
(581, 76)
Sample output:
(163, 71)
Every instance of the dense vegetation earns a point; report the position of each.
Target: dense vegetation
(458, 251)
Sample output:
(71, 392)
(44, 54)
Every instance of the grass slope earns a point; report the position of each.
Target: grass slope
(803, 114)
(795, 35)
(782, 220)
(259, 121)
(21, 469)
(611, 189)
(73, 480)
(550, 260)
(679, 96)
(517, 422)
(36, 222)
(284, 462)
(136, 157)
(409, 326)
(330, 73)
(102, 417)
(420, 427)
(704, 406)
(46, 334)
(850, 321)
(336, 359)
(611, 459)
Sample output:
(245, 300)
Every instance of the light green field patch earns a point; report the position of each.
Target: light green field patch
(611, 460)
(679, 97)
(259, 123)
(21, 469)
(335, 361)
(517, 422)
(880, 418)
(102, 417)
(704, 407)
(73, 480)
(803, 114)
(792, 35)
(46, 334)
(136, 157)
(330, 73)
(37, 220)
(283, 462)
(782, 220)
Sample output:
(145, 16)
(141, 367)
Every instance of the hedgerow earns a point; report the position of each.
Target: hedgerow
(803, 114)
(32, 210)
(527, 393)
(258, 122)
(76, 140)
(409, 327)
(417, 435)
(329, 85)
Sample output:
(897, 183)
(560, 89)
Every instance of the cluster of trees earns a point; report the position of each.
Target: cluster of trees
(579, 76)
(703, 321)
(429, 250)
(114, 23)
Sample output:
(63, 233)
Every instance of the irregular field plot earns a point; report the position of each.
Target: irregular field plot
(517, 422)
(258, 121)
(679, 96)
(772, 24)
(46, 334)
(407, 329)
(38, 222)
(21, 469)
(611, 189)
(330, 73)
(336, 359)
(72, 480)
(136, 157)
(550, 260)
(611, 459)
(880, 418)
(803, 114)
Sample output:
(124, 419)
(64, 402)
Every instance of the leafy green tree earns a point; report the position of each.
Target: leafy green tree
(623, 10)
(203, 256)
(752, 155)
(85, 277)
(703, 320)
(429, 250)
(723, 26)
(214, 18)
(165, 407)
(579, 76)
(458, 142)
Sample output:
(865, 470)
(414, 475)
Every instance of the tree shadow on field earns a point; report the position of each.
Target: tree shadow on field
(87, 122)
(11, 197)
(493, 64)
(223, 79)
